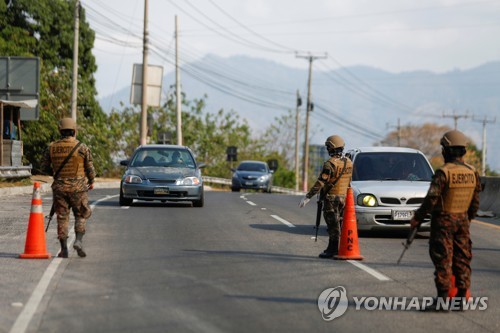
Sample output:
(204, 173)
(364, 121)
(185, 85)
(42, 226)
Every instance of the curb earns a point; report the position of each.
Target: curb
(45, 187)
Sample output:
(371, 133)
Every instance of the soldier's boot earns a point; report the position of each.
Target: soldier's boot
(78, 245)
(462, 299)
(64, 249)
(440, 303)
(331, 250)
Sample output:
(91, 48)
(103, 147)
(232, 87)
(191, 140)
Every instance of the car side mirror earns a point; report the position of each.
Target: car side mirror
(124, 162)
(201, 165)
(233, 169)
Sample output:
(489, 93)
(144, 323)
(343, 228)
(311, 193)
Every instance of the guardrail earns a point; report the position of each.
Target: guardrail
(276, 189)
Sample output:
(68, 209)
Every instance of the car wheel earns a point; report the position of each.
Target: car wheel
(235, 189)
(124, 201)
(199, 203)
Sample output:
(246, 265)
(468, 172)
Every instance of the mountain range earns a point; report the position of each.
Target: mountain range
(360, 103)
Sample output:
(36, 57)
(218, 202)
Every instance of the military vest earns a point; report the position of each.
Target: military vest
(340, 188)
(74, 168)
(459, 189)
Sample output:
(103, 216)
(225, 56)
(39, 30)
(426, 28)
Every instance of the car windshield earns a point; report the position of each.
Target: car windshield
(391, 166)
(163, 157)
(259, 167)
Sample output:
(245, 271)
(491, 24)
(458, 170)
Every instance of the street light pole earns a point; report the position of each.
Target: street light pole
(144, 105)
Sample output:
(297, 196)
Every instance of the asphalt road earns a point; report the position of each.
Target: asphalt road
(246, 262)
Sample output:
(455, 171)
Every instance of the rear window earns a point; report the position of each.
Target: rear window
(391, 166)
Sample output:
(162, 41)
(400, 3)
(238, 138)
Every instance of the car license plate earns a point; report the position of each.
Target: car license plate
(248, 183)
(161, 190)
(402, 214)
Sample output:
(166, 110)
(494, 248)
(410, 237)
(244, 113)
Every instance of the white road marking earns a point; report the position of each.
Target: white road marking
(251, 203)
(369, 270)
(24, 318)
(285, 222)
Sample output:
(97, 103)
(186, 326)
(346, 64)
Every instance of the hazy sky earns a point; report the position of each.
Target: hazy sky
(394, 35)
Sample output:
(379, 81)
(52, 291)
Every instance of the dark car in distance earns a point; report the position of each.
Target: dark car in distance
(254, 175)
(164, 173)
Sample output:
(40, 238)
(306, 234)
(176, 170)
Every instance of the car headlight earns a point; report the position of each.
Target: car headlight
(263, 178)
(132, 179)
(188, 181)
(367, 200)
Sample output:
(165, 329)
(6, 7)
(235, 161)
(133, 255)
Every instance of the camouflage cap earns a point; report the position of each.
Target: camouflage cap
(67, 123)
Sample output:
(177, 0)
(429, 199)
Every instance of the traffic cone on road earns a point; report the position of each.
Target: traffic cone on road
(452, 292)
(348, 247)
(35, 247)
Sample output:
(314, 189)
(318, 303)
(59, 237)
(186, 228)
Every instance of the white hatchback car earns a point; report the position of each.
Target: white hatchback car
(389, 184)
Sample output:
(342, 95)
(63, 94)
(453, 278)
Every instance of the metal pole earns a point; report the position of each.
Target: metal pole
(297, 179)
(178, 85)
(74, 91)
(144, 105)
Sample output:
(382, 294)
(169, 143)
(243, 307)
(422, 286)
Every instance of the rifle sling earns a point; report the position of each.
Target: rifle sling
(66, 159)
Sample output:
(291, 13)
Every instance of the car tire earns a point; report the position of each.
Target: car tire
(199, 203)
(124, 201)
(235, 189)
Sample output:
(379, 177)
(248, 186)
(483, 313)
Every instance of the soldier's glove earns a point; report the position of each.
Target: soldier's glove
(415, 223)
(304, 202)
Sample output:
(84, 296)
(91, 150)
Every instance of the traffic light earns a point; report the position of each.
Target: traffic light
(232, 153)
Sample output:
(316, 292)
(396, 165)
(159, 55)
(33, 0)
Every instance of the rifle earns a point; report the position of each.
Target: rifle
(409, 240)
(318, 214)
(51, 214)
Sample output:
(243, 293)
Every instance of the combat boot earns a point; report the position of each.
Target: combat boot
(331, 250)
(439, 304)
(78, 245)
(64, 249)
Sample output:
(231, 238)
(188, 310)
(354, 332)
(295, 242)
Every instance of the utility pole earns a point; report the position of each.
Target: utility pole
(178, 86)
(483, 153)
(299, 103)
(398, 127)
(74, 85)
(144, 105)
(456, 117)
(310, 58)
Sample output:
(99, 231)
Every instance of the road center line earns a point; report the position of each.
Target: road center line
(369, 270)
(24, 318)
(285, 222)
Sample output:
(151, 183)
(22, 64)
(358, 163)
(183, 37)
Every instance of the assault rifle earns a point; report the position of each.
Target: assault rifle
(409, 240)
(50, 216)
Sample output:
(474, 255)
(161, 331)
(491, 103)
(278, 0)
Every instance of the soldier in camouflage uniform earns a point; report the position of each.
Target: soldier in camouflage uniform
(71, 185)
(453, 201)
(337, 171)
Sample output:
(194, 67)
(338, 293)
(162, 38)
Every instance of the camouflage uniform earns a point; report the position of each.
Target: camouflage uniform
(453, 200)
(334, 201)
(71, 186)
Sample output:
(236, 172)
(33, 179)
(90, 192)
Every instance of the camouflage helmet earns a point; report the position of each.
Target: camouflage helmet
(67, 124)
(334, 141)
(454, 139)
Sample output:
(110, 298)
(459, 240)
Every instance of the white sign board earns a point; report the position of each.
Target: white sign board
(155, 78)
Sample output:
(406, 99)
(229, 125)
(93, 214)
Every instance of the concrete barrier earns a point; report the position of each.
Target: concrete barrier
(490, 196)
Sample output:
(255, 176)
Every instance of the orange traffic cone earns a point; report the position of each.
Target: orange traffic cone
(452, 292)
(35, 247)
(348, 247)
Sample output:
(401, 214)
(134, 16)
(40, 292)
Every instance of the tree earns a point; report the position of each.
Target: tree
(44, 29)
(426, 138)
